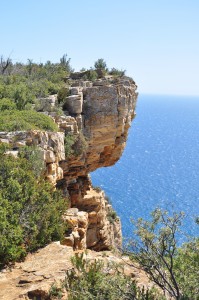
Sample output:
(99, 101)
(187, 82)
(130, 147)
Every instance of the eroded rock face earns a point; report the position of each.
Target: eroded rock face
(51, 145)
(108, 107)
(107, 111)
(92, 222)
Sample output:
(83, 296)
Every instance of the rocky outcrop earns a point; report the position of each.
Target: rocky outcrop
(103, 111)
(51, 145)
(93, 224)
(93, 133)
(108, 108)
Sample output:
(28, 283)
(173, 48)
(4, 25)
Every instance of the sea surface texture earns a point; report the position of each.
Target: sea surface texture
(160, 164)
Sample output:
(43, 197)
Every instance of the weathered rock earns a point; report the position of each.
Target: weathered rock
(77, 221)
(49, 156)
(108, 109)
(107, 113)
(47, 104)
(100, 229)
(73, 103)
(33, 278)
(51, 145)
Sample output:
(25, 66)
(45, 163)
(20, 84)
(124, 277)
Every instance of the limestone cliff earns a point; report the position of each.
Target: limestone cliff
(103, 112)
(94, 127)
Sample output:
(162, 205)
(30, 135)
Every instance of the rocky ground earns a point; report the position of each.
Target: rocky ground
(33, 278)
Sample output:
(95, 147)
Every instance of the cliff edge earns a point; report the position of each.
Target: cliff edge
(93, 134)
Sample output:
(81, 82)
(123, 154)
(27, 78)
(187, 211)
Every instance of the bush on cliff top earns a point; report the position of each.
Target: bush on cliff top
(30, 210)
(89, 280)
(13, 120)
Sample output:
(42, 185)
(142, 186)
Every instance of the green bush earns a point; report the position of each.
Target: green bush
(22, 95)
(56, 292)
(174, 269)
(62, 94)
(25, 120)
(90, 75)
(116, 72)
(100, 64)
(26, 82)
(93, 280)
(34, 156)
(30, 210)
(75, 145)
(7, 104)
(112, 216)
(186, 266)
(68, 143)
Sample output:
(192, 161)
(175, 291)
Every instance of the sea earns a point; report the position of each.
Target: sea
(159, 167)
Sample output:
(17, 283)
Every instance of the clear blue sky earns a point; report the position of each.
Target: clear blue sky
(156, 41)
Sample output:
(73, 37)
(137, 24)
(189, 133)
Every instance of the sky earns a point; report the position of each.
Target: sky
(155, 41)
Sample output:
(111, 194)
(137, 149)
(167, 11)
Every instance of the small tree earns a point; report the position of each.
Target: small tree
(30, 66)
(100, 64)
(65, 63)
(158, 254)
(5, 64)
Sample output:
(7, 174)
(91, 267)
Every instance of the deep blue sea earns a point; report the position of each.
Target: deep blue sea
(160, 164)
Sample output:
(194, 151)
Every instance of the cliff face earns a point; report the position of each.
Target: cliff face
(94, 128)
(103, 112)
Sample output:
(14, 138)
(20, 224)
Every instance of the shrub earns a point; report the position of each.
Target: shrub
(22, 96)
(35, 157)
(117, 72)
(90, 75)
(62, 94)
(25, 120)
(174, 269)
(75, 145)
(7, 104)
(112, 216)
(26, 82)
(100, 64)
(68, 143)
(80, 145)
(30, 210)
(95, 280)
(56, 292)
(186, 266)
